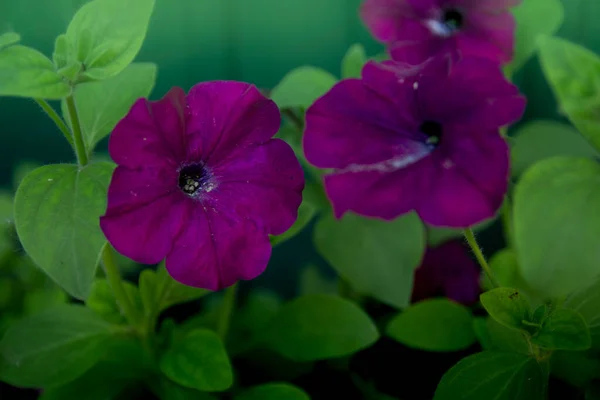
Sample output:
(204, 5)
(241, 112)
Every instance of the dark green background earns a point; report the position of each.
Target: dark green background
(252, 40)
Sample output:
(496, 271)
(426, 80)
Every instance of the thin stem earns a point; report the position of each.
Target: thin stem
(116, 283)
(507, 221)
(56, 118)
(470, 236)
(224, 320)
(80, 151)
(163, 291)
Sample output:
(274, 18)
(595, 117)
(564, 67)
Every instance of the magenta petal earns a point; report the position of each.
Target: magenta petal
(352, 124)
(226, 117)
(152, 133)
(263, 184)
(489, 35)
(214, 252)
(471, 183)
(144, 233)
(383, 17)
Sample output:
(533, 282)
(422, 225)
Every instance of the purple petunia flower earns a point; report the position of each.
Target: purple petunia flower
(447, 270)
(428, 142)
(415, 30)
(201, 182)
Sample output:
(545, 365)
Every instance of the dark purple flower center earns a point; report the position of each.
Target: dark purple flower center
(453, 19)
(194, 178)
(433, 130)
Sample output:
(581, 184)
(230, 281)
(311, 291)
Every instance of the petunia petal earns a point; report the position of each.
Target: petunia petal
(352, 124)
(214, 252)
(489, 36)
(472, 178)
(152, 133)
(263, 184)
(384, 18)
(226, 117)
(145, 232)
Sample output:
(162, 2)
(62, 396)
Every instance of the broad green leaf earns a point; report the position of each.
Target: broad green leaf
(564, 329)
(578, 368)
(103, 302)
(377, 258)
(198, 361)
(507, 306)
(312, 281)
(319, 326)
(434, 325)
(555, 202)
(105, 35)
(353, 61)
(124, 364)
(159, 291)
(573, 72)
(21, 170)
(498, 337)
(9, 38)
(306, 212)
(53, 347)
(531, 25)
(273, 391)
(25, 72)
(586, 301)
(100, 105)
(302, 86)
(57, 211)
(494, 375)
(41, 299)
(542, 139)
(505, 266)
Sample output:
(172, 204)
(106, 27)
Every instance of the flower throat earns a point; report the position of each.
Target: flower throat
(194, 178)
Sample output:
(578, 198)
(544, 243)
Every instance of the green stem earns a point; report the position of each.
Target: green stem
(116, 283)
(224, 320)
(163, 291)
(80, 151)
(470, 236)
(507, 221)
(56, 118)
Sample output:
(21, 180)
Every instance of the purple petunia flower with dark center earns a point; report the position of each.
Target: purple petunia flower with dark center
(415, 30)
(427, 141)
(201, 182)
(447, 270)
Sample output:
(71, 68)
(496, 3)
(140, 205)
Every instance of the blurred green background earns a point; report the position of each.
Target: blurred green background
(252, 40)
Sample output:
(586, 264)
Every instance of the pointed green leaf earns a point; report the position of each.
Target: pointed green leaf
(25, 72)
(507, 306)
(494, 375)
(53, 347)
(369, 255)
(353, 61)
(198, 361)
(573, 73)
(586, 302)
(564, 329)
(57, 211)
(302, 86)
(319, 326)
(102, 300)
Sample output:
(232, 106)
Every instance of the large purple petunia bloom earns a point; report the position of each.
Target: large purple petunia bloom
(201, 182)
(428, 141)
(447, 270)
(415, 30)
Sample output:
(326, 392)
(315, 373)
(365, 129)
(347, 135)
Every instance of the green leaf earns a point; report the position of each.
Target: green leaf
(25, 72)
(9, 38)
(106, 35)
(530, 27)
(586, 302)
(198, 361)
(53, 347)
(169, 390)
(505, 266)
(434, 325)
(353, 61)
(306, 212)
(370, 256)
(493, 375)
(312, 281)
(556, 201)
(38, 300)
(102, 300)
(302, 86)
(577, 368)
(564, 329)
(100, 105)
(541, 139)
(273, 391)
(573, 73)
(507, 306)
(320, 326)
(504, 339)
(57, 211)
